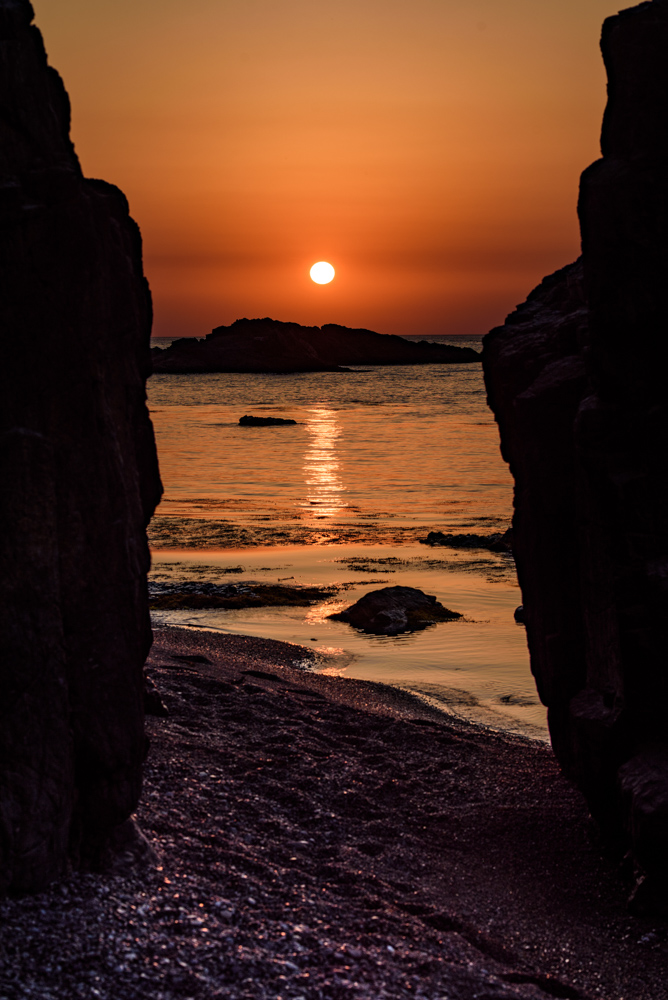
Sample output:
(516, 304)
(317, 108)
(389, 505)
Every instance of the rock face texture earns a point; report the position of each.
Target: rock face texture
(392, 610)
(577, 381)
(78, 483)
(267, 345)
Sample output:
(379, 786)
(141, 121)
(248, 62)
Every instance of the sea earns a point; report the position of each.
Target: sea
(378, 458)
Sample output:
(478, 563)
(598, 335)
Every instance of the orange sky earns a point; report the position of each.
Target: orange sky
(429, 149)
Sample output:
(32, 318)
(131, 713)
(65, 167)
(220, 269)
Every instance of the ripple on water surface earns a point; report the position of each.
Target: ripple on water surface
(394, 449)
(377, 459)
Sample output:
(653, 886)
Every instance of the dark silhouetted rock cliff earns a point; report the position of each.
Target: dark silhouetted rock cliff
(577, 381)
(79, 481)
(267, 345)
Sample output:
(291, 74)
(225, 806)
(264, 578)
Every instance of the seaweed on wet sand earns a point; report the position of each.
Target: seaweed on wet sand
(191, 595)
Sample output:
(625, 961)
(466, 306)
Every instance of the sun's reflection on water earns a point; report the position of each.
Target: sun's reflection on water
(324, 486)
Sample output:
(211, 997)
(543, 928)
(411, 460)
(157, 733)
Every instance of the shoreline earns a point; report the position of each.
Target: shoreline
(476, 668)
(497, 860)
(429, 702)
(315, 841)
(375, 697)
(182, 530)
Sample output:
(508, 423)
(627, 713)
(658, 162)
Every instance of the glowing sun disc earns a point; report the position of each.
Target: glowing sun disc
(322, 273)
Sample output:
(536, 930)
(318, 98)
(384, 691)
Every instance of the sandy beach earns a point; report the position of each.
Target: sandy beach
(324, 838)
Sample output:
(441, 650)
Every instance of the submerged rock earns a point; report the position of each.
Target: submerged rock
(395, 609)
(248, 421)
(230, 596)
(268, 345)
(576, 378)
(497, 542)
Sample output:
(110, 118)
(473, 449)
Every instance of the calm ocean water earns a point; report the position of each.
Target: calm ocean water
(405, 447)
(378, 458)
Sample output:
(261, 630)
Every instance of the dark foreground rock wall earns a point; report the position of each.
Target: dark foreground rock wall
(577, 381)
(78, 482)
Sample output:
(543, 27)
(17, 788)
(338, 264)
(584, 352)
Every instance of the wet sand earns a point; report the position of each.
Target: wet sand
(477, 667)
(326, 838)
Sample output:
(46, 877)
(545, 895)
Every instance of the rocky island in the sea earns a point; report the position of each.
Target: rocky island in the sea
(268, 345)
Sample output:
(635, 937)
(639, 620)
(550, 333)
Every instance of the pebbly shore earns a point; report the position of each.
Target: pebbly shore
(321, 838)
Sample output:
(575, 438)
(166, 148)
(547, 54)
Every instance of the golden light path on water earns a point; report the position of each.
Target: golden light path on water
(341, 499)
(324, 485)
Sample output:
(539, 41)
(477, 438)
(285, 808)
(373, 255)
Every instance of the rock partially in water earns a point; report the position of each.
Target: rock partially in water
(269, 345)
(395, 609)
(232, 596)
(249, 421)
(497, 542)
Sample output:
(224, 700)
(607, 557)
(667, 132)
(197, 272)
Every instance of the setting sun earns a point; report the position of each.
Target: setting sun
(322, 273)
